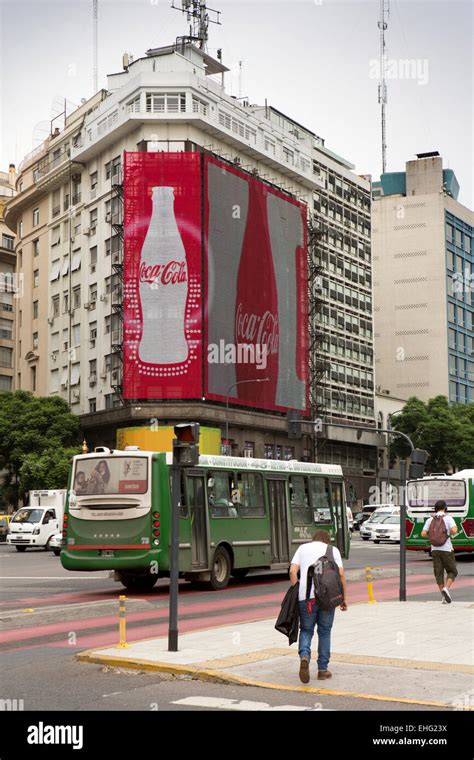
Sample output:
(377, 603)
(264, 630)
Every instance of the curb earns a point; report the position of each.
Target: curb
(223, 677)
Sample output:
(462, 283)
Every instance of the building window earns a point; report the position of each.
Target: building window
(6, 383)
(55, 306)
(33, 378)
(93, 181)
(6, 357)
(54, 381)
(93, 331)
(92, 405)
(76, 297)
(93, 258)
(93, 219)
(36, 217)
(112, 168)
(165, 102)
(8, 242)
(35, 309)
(268, 451)
(35, 341)
(36, 247)
(65, 302)
(36, 278)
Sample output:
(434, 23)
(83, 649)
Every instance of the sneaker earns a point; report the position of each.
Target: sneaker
(323, 674)
(304, 670)
(447, 595)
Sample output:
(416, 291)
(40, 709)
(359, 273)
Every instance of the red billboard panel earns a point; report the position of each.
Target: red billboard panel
(256, 319)
(162, 276)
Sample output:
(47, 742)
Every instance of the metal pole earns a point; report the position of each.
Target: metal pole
(174, 559)
(403, 516)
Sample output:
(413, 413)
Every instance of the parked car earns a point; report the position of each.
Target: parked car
(55, 544)
(388, 530)
(350, 519)
(360, 518)
(4, 523)
(368, 527)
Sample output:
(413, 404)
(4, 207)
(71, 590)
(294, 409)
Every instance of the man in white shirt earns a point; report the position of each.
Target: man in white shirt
(443, 556)
(305, 556)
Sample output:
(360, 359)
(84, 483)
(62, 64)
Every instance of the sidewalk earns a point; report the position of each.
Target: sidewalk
(406, 652)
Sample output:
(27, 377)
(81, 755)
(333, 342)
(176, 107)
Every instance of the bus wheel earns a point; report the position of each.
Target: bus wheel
(240, 573)
(20, 548)
(137, 582)
(220, 570)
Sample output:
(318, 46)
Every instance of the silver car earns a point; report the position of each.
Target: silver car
(55, 544)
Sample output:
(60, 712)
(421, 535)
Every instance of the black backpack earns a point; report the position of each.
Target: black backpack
(327, 581)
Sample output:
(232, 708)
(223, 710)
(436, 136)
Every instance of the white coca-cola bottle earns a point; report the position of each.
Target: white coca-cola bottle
(163, 285)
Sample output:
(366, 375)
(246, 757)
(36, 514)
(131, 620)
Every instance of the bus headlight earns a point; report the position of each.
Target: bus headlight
(156, 542)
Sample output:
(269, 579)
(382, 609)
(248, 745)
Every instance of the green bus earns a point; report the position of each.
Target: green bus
(235, 514)
(457, 491)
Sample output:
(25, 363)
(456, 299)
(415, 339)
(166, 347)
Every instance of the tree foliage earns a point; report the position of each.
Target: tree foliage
(37, 436)
(445, 430)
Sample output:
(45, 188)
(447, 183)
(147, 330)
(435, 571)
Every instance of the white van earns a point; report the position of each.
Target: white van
(36, 524)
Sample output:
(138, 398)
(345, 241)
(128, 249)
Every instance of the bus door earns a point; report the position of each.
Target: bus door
(278, 519)
(197, 516)
(340, 517)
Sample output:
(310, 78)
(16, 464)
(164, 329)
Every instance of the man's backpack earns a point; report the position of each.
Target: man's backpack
(328, 591)
(438, 532)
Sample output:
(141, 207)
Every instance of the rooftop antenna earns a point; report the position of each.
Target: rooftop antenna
(95, 67)
(240, 79)
(197, 15)
(382, 25)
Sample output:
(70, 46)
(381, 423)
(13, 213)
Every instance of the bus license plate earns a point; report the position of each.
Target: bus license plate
(107, 553)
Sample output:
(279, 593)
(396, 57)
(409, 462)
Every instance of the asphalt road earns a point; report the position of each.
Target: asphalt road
(47, 614)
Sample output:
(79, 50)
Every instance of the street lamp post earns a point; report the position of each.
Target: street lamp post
(234, 385)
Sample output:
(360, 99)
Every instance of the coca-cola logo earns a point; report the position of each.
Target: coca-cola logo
(262, 330)
(171, 273)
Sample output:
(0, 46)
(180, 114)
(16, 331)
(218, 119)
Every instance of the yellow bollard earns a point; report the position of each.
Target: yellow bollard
(122, 643)
(369, 576)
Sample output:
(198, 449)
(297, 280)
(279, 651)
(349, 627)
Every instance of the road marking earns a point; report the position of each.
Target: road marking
(219, 703)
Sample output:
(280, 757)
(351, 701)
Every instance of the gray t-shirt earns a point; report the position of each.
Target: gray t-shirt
(449, 522)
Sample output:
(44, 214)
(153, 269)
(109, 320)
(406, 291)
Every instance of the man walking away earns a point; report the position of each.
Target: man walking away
(439, 530)
(305, 556)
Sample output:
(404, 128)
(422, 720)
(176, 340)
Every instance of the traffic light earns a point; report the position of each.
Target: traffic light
(294, 424)
(186, 444)
(417, 464)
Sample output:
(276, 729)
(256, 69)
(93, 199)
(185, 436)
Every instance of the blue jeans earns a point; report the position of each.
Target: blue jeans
(324, 620)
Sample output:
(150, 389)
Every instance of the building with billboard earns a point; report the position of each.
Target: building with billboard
(423, 283)
(252, 175)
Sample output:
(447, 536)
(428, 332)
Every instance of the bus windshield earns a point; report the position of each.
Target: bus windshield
(110, 475)
(28, 516)
(425, 493)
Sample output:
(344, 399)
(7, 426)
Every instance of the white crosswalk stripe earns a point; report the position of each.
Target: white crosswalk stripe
(219, 703)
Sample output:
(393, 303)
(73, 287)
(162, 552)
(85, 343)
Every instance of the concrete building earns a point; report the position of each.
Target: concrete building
(173, 99)
(8, 284)
(423, 285)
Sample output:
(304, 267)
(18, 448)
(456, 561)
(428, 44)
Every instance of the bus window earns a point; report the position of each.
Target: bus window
(250, 490)
(220, 486)
(320, 500)
(299, 501)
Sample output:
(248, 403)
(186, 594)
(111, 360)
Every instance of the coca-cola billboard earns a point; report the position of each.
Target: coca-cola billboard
(162, 276)
(197, 229)
(256, 292)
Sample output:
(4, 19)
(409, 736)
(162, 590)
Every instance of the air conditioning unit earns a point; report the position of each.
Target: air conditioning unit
(92, 268)
(93, 379)
(104, 297)
(64, 385)
(92, 342)
(115, 336)
(86, 231)
(108, 216)
(76, 394)
(50, 320)
(115, 377)
(87, 305)
(247, 453)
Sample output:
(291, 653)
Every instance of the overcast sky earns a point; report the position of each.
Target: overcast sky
(315, 60)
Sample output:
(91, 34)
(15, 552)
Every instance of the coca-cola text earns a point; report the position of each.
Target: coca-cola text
(166, 274)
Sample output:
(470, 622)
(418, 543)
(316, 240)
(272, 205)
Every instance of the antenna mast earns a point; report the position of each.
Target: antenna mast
(95, 67)
(197, 15)
(382, 25)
